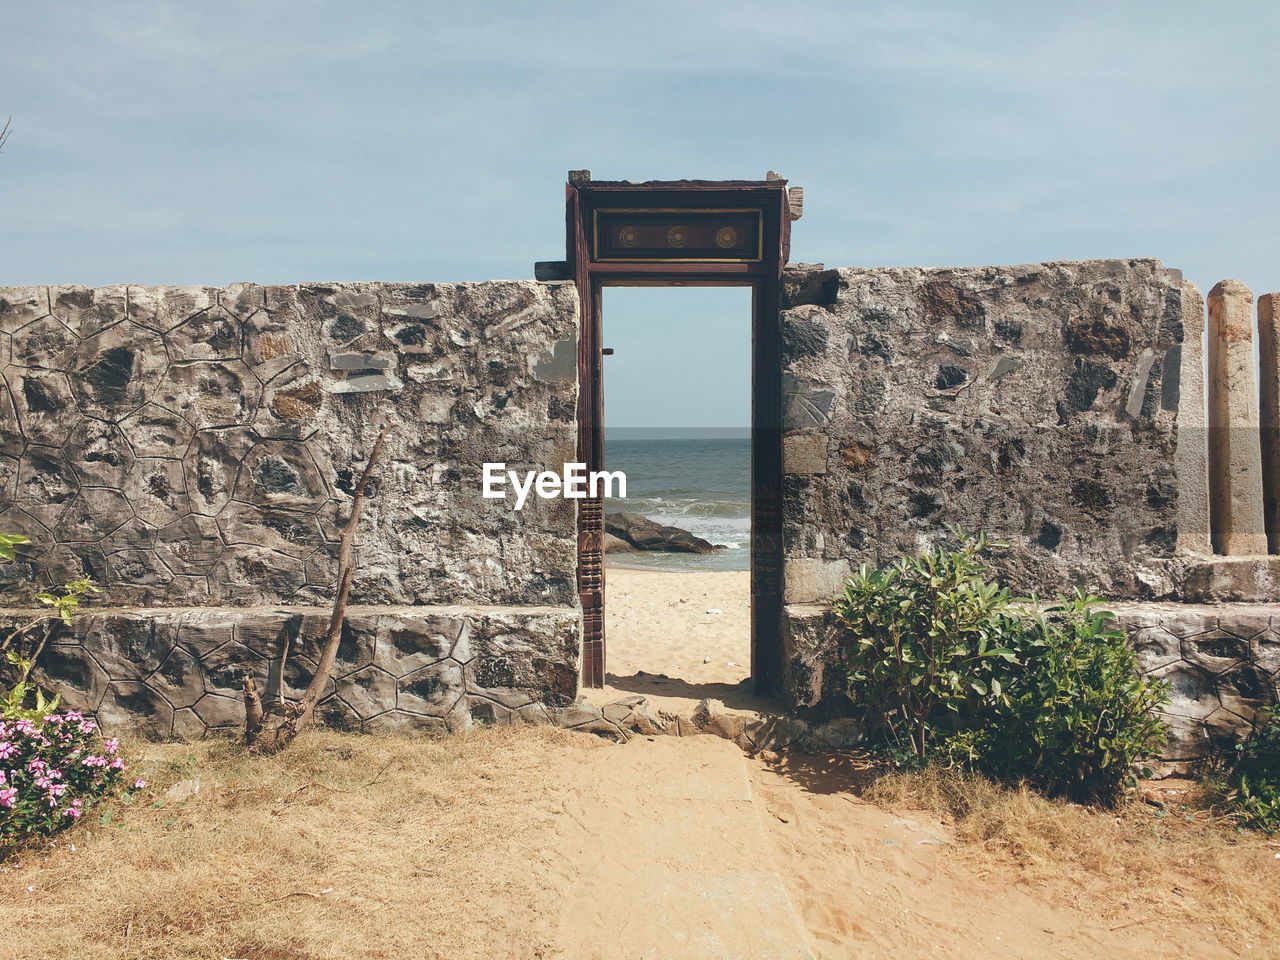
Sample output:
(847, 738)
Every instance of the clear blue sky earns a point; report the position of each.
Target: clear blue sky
(195, 142)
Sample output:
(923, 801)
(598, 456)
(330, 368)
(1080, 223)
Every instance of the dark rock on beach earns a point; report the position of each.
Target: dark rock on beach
(644, 534)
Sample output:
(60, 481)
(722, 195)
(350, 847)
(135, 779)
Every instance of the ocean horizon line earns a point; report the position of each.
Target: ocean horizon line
(677, 433)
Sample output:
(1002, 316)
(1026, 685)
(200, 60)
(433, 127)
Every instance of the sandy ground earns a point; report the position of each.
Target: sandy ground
(662, 641)
(869, 882)
(521, 843)
(536, 843)
(685, 849)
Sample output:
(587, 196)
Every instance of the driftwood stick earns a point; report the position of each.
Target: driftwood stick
(31, 660)
(252, 711)
(296, 717)
(284, 660)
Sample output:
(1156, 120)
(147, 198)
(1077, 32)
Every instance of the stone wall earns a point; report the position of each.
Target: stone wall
(197, 447)
(1036, 403)
(1041, 404)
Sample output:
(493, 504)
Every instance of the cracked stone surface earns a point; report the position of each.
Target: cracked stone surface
(162, 673)
(1035, 403)
(185, 446)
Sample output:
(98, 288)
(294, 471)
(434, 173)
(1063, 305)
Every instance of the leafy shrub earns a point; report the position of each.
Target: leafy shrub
(64, 602)
(13, 701)
(51, 771)
(1075, 716)
(52, 765)
(926, 634)
(989, 683)
(1253, 783)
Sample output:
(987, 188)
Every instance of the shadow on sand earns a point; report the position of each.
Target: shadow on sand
(845, 771)
(736, 696)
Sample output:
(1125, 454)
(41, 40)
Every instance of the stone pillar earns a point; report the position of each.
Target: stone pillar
(1235, 449)
(1191, 461)
(1269, 412)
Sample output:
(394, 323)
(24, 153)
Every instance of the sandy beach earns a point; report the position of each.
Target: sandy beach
(662, 639)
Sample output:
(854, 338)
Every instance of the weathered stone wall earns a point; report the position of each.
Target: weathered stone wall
(1039, 404)
(1035, 403)
(178, 672)
(197, 447)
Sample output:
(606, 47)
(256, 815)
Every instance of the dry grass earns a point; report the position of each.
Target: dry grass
(339, 847)
(379, 847)
(1138, 864)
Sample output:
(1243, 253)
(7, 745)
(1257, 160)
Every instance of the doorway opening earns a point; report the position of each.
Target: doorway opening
(686, 233)
(676, 384)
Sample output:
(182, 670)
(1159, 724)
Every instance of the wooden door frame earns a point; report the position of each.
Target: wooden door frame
(583, 197)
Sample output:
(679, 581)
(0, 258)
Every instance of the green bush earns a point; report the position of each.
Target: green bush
(21, 646)
(983, 681)
(1253, 783)
(925, 635)
(1076, 716)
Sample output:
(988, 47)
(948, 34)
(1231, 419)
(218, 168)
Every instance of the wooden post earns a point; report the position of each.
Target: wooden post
(1235, 449)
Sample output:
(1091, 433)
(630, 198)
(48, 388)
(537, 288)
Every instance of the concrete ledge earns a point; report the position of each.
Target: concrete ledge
(177, 672)
(1232, 580)
(1222, 662)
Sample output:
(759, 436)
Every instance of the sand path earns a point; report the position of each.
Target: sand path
(663, 640)
(685, 849)
(664, 840)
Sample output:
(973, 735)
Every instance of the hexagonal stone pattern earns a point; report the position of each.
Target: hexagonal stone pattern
(1219, 663)
(160, 673)
(195, 445)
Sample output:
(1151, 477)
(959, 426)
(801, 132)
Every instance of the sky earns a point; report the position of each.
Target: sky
(280, 141)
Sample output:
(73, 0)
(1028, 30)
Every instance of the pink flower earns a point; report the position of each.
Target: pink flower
(25, 726)
(88, 726)
(139, 784)
(71, 812)
(7, 749)
(111, 744)
(3, 779)
(36, 765)
(73, 715)
(57, 789)
(8, 797)
(116, 764)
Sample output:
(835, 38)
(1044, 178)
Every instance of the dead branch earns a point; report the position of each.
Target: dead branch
(5, 131)
(284, 661)
(48, 623)
(252, 711)
(292, 718)
(35, 655)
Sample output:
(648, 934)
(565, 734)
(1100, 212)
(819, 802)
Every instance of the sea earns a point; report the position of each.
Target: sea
(698, 480)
